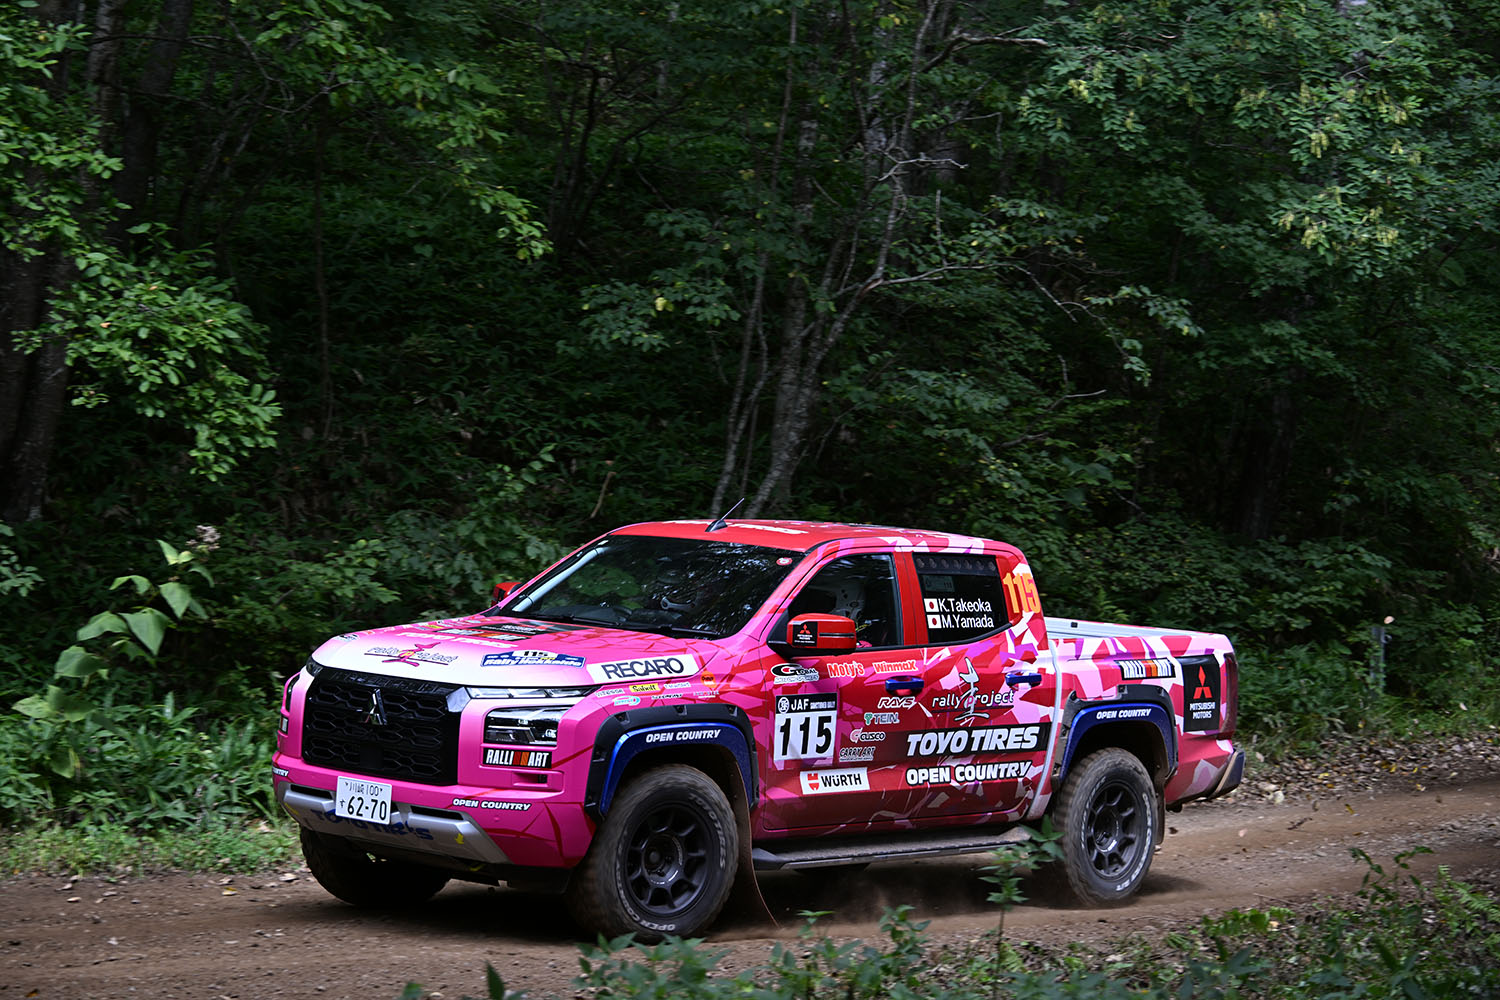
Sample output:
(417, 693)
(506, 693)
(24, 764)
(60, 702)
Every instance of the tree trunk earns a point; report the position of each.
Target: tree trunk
(33, 385)
(140, 128)
(1266, 464)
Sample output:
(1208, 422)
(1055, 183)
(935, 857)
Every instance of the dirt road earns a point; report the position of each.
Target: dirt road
(280, 935)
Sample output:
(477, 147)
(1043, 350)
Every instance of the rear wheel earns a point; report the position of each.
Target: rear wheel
(662, 862)
(357, 877)
(1107, 814)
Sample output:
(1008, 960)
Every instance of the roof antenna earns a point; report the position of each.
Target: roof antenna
(721, 521)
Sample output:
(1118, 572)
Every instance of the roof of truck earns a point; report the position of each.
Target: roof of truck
(804, 535)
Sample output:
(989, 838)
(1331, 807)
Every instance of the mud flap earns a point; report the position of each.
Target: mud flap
(746, 908)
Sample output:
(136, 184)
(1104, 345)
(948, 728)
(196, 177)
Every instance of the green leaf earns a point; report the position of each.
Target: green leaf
(36, 706)
(149, 626)
(172, 555)
(141, 583)
(65, 762)
(177, 596)
(71, 707)
(104, 621)
(75, 661)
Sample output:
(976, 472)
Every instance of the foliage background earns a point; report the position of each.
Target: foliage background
(367, 304)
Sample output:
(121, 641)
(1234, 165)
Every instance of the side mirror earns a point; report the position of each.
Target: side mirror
(502, 590)
(820, 634)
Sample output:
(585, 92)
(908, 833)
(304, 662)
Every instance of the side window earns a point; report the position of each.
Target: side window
(962, 596)
(859, 587)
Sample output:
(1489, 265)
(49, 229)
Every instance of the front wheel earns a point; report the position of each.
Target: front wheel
(662, 862)
(356, 877)
(1107, 815)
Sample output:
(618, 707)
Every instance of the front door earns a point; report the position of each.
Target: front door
(840, 722)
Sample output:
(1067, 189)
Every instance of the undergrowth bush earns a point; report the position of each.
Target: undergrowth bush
(1405, 939)
(137, 766)
(116, 850)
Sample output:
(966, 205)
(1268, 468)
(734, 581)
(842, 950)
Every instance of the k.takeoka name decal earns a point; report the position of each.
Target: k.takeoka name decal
(982, 739)
(646, 668)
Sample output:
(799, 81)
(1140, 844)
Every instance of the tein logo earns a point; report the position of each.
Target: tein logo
(851, 779)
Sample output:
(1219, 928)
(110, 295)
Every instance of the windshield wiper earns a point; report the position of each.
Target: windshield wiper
(662, 628)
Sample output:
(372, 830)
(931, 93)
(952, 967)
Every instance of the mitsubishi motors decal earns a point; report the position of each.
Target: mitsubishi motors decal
(849, 779)
(1200, 685)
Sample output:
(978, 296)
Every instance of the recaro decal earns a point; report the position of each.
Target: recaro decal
(646, 668)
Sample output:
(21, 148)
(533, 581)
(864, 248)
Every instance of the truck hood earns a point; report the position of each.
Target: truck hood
(480, 651)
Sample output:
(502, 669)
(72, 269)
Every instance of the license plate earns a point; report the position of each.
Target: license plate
(358, 798)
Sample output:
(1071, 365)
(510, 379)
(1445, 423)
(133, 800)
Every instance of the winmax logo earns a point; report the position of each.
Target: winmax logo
(849, 779)
(646, 668)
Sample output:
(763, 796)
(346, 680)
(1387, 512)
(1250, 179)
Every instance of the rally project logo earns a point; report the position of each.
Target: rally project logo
(646, 668)
(412, 657)
(849, 779)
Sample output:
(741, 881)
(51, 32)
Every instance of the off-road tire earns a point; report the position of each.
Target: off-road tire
(662, 862)
(354, 876)
(1107, 814)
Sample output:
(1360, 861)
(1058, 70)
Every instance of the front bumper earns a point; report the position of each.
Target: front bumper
(421, 829)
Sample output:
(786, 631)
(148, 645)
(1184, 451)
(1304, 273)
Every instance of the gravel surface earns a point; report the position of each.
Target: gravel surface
(1348, 766)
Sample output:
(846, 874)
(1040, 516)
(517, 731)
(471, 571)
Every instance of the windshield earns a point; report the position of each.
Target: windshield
(676, 586)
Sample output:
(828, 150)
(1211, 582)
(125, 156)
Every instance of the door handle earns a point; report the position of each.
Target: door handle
(911, 684)
(1022, 677)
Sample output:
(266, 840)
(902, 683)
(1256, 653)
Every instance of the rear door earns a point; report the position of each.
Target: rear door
(988, 697)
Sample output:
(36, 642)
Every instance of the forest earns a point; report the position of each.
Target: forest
(323, 314)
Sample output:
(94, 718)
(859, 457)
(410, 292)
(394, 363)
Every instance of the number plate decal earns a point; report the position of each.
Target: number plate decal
(806, 726)
(360, 798)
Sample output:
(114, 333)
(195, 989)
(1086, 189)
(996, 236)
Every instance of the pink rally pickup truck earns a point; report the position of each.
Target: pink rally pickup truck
(678, 705)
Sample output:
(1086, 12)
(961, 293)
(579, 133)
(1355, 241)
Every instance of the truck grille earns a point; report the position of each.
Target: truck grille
(386, 727)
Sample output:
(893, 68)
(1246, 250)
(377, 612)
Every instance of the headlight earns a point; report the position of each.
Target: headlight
(523, 726)
(565, 695)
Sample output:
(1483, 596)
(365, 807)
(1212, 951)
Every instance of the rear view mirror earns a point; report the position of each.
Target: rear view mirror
(502, 590)
(818, 634)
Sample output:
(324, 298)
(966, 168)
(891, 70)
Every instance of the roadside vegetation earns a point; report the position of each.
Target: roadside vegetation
(1402, 938)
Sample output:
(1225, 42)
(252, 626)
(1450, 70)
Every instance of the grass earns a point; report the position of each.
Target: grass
(117, 850)
(1381, 948)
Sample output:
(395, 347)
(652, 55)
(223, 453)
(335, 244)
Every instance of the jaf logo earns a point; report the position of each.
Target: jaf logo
(849, 779)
